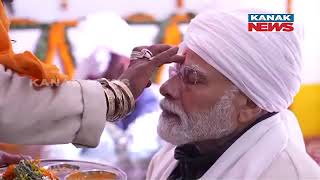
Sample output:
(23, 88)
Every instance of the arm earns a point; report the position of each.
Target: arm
(73, 112)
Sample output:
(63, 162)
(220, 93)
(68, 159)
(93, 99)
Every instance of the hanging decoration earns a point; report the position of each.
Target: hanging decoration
(25, 24)
(58, 43)
(54, 41)
(140, 18)
(42, 44)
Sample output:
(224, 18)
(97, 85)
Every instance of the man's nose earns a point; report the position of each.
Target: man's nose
(171, 88)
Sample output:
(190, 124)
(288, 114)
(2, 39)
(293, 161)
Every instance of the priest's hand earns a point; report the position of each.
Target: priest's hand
(140, 70)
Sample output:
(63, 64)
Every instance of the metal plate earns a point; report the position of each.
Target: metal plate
(62, 169)
(67, 167)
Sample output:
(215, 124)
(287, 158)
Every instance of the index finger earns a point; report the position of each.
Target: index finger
(174, 59)
(155, 49)
(158, 48)
(168, 56)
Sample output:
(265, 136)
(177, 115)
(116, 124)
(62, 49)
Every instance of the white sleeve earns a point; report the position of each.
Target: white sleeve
(74, 112)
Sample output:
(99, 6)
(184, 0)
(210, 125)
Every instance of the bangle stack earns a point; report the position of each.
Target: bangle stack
(120, 100)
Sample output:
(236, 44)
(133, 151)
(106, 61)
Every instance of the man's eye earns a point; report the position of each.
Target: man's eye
(190, 76)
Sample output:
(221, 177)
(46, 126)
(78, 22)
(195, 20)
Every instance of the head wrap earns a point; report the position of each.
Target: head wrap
(263, 65)
(25, 63)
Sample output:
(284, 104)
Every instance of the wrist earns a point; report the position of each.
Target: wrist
(119, 98)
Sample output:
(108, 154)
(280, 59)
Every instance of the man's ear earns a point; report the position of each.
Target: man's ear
(248, 110)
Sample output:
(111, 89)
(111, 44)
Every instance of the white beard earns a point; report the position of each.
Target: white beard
(214, 123)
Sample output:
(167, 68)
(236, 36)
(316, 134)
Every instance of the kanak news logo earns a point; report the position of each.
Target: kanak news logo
(271, 22)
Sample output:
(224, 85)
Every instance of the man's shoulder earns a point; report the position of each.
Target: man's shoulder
(161, 162)
(292, 163)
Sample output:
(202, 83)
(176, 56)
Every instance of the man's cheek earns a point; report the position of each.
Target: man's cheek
(197, 102)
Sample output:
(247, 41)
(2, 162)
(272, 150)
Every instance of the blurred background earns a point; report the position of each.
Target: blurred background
(90, 39)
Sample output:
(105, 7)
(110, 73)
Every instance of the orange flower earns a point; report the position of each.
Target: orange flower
(9, 173)
(25, 63)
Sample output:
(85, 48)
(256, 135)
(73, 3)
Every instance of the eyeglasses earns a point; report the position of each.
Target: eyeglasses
(188, 74)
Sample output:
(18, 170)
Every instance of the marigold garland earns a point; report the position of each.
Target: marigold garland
(57, 42)
(54, 38)
(140, 18)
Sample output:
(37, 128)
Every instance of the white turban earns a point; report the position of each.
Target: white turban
(263, 65)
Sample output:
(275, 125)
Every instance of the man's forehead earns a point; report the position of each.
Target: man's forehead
(194, 59)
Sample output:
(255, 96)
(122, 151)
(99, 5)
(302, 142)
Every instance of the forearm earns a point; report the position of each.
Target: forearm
(73, 112)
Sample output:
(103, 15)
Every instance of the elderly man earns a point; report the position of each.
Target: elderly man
(225, 109)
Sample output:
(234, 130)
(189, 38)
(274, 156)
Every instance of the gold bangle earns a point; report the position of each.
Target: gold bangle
(111, 102)
(113, 99)
(119, 101)
(128, 93)
(126, 106)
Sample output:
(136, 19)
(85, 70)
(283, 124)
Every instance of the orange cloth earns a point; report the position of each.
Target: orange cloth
(26, 63)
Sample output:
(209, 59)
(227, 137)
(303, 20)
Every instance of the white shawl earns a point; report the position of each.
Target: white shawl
(247, 158)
